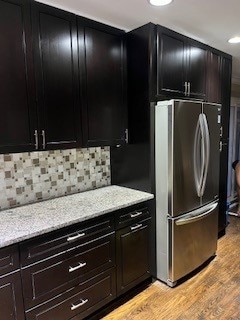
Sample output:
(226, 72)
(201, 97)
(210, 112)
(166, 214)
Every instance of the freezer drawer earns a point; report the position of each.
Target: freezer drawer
(193, 239)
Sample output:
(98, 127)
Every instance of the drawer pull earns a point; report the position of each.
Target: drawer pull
(136, 214)
(80, 265)
(75, 306)
(137, 226)
(79, 235)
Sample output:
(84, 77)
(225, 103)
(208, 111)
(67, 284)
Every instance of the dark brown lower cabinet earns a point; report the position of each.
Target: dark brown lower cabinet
(48, 278)
(11, 302)
(80, 301)
(133, 255)
(73, 272)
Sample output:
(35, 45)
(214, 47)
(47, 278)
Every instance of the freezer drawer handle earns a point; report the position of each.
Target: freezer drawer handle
(136, 214)
(80, 265)
(79, 235)
(75, 306)
(137, 226)
(196, 218)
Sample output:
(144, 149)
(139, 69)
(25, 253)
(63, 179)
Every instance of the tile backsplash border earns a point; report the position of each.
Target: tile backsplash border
(34, 176)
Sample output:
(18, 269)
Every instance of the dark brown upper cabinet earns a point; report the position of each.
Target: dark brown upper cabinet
(18, 114)
(214, 77)
(56, 74)
(102, 70)
(181, 65)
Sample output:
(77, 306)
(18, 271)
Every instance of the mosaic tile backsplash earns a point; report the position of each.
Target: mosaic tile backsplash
(33, 176)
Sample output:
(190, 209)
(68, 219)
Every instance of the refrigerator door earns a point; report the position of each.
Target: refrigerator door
(210, 184)
(193, 240)
(182, 167)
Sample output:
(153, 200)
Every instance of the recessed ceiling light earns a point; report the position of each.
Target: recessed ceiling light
(234, 40)
(160, 2)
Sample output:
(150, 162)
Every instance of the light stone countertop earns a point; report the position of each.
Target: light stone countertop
(31, 220)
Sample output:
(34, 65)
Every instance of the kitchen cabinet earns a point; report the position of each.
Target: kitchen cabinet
(63, 79)
(226, 72)
(17, 103)
(214, 77)
(226, 69)
(56, 73)
(11, 301)
(66, 259)
(73, 272)
(102, 69)
(133, 249)
(181, 65)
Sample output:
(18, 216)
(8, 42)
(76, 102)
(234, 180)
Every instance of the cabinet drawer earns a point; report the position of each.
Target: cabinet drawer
(48, 245)
(132, 215)
(48, 278)
(9, 259)
(79, 301)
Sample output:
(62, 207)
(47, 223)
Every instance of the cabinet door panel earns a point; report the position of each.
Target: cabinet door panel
(197, 71)
(17, 120)
(104, 111)
(226, 95)
(11, 304)
(214, 78)
(171, 64)
(133, 255)
(55, 53)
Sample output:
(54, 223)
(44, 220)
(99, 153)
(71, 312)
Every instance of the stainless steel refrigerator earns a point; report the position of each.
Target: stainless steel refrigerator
(187, 151)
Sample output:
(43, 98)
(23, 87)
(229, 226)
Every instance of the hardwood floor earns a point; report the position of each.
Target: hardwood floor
(213, 293)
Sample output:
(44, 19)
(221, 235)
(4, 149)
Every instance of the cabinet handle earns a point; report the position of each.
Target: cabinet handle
(221, 132)
(36, 139)
(137, 226)
(136, 214)
(79, 235)
(189, 88)
(75, 306)
(44, 139)
(126, 136)
(186, 88)
(80, 265)
(220, 146)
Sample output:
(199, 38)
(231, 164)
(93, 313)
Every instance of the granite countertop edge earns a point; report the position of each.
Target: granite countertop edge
(137, 197)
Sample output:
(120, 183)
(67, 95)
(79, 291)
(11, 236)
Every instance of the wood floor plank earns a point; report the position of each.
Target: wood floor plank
(213, 293)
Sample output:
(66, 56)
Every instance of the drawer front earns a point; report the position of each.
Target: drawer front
(11, 302)
(131, 215)
(48, 278)
(48, 245)
(80, 301)
(9, 259)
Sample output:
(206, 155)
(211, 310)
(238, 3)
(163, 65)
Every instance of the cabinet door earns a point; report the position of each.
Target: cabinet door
(223, 187)
(56, 72)
(226, 75)
(196, 71)
(17, 121)
(101, 59)
(214, 77)
(11, 304)
(133, 255)
(171, 63)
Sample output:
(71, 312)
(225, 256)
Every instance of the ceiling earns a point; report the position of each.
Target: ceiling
(210, 21)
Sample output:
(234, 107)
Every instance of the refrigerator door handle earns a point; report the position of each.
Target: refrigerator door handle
(199, 155)
(207, 153)
(189, 218)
